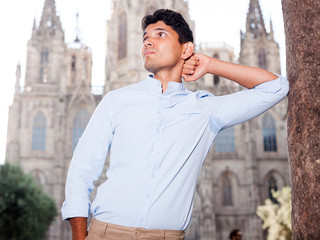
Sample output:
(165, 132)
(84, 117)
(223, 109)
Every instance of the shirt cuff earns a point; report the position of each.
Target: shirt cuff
(271, 86)
(74, 209)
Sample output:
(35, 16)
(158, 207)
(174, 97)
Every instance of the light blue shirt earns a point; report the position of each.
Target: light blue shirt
(158, 142)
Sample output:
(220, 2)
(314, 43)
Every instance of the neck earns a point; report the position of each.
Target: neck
(166, 76)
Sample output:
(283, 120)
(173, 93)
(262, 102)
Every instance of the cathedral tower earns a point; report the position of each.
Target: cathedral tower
(124, 39)
(49, 114)
(46, 51)
(258, 47)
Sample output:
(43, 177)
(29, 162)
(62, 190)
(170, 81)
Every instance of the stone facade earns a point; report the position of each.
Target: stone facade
(54, 104)
(49, 114)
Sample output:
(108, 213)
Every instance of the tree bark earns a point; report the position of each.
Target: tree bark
(302, 30)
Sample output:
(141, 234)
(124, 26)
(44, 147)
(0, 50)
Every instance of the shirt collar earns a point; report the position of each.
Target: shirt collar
(155, 86)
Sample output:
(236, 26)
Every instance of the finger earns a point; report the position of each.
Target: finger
(196, 56)
(192, 62)
(187, 78)
(188, 66)
(188, 71)
(193, 57)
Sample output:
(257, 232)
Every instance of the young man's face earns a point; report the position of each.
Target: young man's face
(238, 236)
(161, 48)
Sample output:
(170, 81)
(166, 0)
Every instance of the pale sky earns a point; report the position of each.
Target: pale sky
(215, 20)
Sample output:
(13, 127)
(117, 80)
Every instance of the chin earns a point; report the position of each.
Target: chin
(150, 68)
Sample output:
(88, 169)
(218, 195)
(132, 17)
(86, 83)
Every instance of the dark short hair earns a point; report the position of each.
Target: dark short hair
(234, 233)
(172, 19)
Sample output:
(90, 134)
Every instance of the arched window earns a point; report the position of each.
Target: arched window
(44, 55)
(269, 133)
(262, 58)
(79, 124)
(225, 141)
(39, 132)
(272, 185)
(73, 63)
(227, 191)
(84, 69)
(122, 36)
(216, 79)
(252, 25)
(73, 69)
(44, 60)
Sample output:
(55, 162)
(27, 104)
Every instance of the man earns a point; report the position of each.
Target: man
(158, 134)
(235, 235)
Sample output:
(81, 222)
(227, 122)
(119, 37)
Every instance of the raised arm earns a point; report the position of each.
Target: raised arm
(265, 89)
(200, 64)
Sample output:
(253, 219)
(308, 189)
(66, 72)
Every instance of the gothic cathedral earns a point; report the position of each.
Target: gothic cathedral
(50, 112)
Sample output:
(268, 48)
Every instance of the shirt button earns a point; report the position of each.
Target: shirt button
(137, 233)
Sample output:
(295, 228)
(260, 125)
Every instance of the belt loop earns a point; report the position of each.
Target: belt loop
(105, 230)
(163, 234)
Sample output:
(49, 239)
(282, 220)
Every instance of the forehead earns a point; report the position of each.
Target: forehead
(160, 25)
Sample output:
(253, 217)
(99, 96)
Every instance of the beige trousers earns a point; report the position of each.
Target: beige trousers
(105, 231)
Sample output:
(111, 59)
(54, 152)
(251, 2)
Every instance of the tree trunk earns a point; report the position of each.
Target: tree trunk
(302, 29)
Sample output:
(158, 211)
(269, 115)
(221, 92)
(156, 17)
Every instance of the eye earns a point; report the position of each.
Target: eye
(162, 34)
(144, 39)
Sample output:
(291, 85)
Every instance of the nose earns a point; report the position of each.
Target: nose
(148, 43)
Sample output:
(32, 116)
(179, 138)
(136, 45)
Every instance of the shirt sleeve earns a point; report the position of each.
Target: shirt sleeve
(88, 161)
(229, 110)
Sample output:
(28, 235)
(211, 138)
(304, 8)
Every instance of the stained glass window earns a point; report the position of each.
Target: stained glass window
(227, 191)
(225, 141)
(262, 58)
(39, 132)
(272, 185)
(269, 133)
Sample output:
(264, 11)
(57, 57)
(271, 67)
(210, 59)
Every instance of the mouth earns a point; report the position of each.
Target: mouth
(148, 53)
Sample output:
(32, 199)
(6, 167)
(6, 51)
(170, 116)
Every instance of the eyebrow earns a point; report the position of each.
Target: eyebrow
(157, 29)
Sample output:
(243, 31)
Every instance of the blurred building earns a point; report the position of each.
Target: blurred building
(50, 112)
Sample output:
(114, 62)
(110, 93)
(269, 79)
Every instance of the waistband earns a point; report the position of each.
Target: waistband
(102, 228)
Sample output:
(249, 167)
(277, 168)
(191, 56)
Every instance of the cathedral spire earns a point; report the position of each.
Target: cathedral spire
(78, 41)
(255, 24)
(77, 32)
(18, 77)
(49, 19)
(258, 47)
(271, 33)
(34, 24)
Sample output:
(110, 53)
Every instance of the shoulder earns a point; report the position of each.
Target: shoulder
(124, 91)
(125, 96)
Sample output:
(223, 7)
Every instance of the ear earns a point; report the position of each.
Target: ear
(188, 50)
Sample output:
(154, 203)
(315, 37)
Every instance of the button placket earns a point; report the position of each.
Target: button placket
(156, 160)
